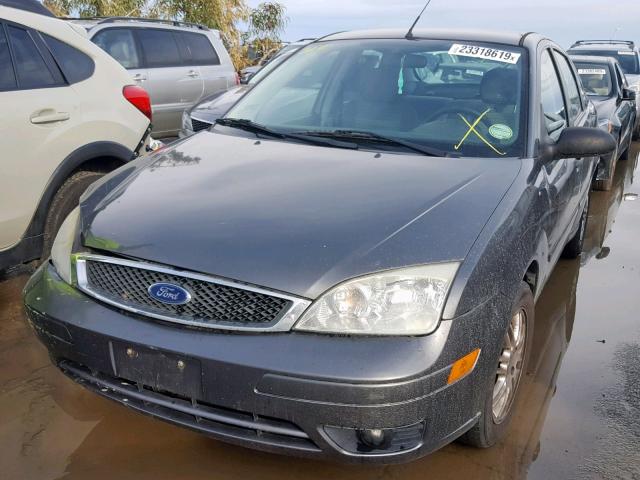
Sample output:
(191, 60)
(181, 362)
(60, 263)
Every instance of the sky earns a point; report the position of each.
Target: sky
(561, 20)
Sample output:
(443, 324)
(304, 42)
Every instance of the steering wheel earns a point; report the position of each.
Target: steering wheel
(469, 114)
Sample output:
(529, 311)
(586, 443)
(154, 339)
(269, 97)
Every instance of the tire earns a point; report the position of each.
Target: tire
(491, 429)
(573, 249)
(605, 185)
(625, 154)
(64, 201)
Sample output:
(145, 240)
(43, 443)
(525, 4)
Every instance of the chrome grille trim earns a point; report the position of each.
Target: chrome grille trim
(284, 323)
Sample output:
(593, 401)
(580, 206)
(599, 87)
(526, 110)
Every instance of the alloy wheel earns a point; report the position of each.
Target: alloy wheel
(510, 366)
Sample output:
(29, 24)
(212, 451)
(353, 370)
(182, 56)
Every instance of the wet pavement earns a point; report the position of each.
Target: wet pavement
(578, 416)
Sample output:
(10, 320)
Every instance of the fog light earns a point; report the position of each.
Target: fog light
(373, 441)
(375, 437)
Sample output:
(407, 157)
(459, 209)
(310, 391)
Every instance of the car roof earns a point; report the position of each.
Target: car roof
(613, 45)
(593, 59)
(28, 5)
(92, 22)
(507, 38)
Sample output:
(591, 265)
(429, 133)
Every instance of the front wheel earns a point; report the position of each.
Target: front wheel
(510, 366)
(573, 249)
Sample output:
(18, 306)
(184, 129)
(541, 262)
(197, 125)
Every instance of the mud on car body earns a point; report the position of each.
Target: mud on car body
(345, 266)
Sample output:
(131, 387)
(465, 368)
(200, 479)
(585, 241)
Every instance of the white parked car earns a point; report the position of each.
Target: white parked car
(70, 114)
(178, 63)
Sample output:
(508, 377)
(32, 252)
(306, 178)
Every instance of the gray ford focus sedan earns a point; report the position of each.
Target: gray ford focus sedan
(346, 265)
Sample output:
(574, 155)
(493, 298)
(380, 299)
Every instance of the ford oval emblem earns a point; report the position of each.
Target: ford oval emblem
(169, 293)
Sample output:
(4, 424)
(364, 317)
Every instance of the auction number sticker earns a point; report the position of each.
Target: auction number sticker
(484, 52)
(592, 71)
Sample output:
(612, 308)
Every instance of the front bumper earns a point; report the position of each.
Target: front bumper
(293, 393)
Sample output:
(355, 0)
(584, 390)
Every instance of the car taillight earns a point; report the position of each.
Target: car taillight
(139, 98)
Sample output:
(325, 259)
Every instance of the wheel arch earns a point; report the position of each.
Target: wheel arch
(102, 156)
(532, 276)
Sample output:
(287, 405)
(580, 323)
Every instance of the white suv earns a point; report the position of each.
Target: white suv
(178, 63)
(70, 114)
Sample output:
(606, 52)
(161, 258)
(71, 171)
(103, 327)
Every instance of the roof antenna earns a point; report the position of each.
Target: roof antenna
(409, 35)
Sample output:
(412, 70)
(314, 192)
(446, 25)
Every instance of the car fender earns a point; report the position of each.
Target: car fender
(511, 240)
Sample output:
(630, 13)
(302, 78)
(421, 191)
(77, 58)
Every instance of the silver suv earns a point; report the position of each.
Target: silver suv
(178, 63)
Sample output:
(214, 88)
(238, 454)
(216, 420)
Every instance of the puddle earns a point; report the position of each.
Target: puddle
(577, 416)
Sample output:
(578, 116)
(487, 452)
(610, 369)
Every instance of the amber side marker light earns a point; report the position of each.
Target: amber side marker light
(463, 366)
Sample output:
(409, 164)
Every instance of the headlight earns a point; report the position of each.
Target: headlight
(398, 302)
(62, 245)
(187, 126)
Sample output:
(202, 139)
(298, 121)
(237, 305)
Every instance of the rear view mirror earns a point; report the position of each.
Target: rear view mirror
(628, 94)
(577, 142)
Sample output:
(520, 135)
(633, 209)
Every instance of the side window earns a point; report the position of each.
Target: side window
(571, 88)
(31, 68)
(159, 47)
(75, 65)
(198, 49)
(555, 115)
(120, 44)
(7, 76)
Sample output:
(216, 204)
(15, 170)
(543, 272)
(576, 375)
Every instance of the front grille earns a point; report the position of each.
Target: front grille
(225, 423)
(199, 125)
(211, 303)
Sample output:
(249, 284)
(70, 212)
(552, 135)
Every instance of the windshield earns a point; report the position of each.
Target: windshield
(463, 99)
(596, 79)
(627, 58)
(273, 63)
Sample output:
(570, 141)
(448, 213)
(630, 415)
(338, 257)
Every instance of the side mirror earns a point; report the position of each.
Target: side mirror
(628, 94)
(578, 142)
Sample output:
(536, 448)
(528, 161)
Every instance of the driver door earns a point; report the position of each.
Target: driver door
(558, 174)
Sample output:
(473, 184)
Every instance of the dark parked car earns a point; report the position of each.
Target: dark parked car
(249, 72)
(606, 86)
(625, 52)
(203, 115)
(340, 268)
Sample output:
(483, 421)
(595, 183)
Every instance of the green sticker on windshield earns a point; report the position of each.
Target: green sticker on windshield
(500, 131)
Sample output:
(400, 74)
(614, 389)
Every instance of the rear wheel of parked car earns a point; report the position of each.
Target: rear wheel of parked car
(625, 154)
(573, 249)
(510, 367)
(65, 200)
(605, 185)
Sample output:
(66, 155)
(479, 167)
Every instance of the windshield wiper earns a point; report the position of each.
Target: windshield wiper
(250, 126)
(377, 138)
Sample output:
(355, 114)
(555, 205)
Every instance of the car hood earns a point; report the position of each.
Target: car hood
(215, 106)
(292, 217)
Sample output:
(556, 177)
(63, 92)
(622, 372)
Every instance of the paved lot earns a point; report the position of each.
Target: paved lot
(579, 416)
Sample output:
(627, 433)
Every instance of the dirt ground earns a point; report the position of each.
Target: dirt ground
(578, 416)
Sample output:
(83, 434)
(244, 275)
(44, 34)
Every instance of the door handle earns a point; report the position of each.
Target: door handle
(39, 118)
(138, 77)
(193, 74)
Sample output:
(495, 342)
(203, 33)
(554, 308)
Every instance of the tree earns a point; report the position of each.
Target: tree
(223, 15)
(266, 23)
(98, 8)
